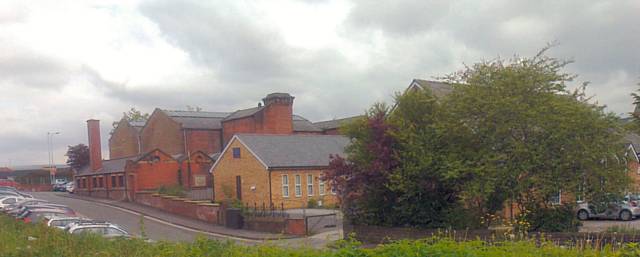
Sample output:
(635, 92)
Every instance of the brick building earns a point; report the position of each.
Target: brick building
(283, 170)
(125, 139)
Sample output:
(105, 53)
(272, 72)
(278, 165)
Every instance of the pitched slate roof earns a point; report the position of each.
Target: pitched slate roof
(335, 123)
(438, 88)
(632, 139)
(301, 124)
(291, 151)
(197, 120)
(109, 166)
(243, 113)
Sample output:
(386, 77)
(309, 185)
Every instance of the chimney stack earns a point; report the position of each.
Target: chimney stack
(278, 114)
(95, 149)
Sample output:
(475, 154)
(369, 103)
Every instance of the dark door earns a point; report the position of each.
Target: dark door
(239, 187)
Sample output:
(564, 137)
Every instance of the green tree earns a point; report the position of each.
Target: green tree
(77, 156)
(132, 115)
(528, 137)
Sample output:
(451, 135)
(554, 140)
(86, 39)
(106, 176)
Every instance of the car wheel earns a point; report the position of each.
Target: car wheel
(626, 215)
(583, 215)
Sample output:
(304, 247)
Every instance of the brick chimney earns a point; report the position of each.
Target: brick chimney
(278, 113)
(95, 149)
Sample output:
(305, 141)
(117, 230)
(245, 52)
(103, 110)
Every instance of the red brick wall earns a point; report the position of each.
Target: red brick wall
(277, 119)
(150, 175)
(634, 174)
(201, 211)
(200, 165)
(232, 127)
(162, 133)
(124, 141)
(207, 141)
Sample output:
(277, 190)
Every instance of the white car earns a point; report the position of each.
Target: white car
(9, 200)
(104, 229)
(70, 187)
(63, 222)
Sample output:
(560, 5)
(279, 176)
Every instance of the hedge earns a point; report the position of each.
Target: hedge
(18, 239)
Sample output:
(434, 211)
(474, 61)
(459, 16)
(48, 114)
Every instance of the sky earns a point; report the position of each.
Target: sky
(65, 61)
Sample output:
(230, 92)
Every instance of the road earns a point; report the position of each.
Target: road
(130, 221)
(162, 231)
(602, 225)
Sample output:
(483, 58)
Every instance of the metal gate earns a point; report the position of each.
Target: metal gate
(315, 224)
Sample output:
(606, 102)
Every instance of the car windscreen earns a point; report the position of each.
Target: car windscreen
(62, 223)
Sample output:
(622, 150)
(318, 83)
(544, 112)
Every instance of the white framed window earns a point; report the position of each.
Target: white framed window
(309, 184)
(556, 199)
(320, 186)
(298, 186)
(285, 186)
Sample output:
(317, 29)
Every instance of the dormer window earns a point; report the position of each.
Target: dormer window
(236, 152)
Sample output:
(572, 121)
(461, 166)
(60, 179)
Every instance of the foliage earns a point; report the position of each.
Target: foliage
(560, 218)
(172, 190)
(77, 156)
(132, 115)
(528, 137)
(510, 131)
(47, 241)
(312, 203)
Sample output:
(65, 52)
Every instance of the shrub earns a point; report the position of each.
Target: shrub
(552, 219)
(173, 190)
(312, 203)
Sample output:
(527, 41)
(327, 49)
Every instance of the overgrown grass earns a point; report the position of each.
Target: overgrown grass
(173, 190)
(628, 230)
(18, 239)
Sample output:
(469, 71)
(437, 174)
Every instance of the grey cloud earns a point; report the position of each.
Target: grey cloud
(222, 38)
(33, 70)
(399, 17)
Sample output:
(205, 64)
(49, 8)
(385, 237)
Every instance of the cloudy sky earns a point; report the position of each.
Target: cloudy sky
(63, 62)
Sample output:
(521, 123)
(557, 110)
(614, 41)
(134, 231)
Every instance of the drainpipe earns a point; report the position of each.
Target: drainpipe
(270, 195)
(186, 150)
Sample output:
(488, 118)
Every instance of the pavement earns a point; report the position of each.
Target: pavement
(162, 226)
(596, 226)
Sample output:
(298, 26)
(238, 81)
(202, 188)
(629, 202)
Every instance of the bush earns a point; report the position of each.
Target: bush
(553, 219)
(173, 190)
(312, 203)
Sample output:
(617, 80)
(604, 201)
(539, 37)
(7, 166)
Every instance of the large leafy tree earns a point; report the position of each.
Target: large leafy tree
(531, 137)
(77, 156)
(511, 131)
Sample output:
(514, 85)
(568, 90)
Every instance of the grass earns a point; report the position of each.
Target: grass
(623, 230)
(173, 190)
(20, 239)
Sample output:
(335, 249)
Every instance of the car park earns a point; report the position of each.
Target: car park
(621, 209)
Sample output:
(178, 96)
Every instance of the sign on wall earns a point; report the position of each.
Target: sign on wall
(199, 180)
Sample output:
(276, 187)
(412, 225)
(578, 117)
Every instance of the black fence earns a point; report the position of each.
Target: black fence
(263, 210)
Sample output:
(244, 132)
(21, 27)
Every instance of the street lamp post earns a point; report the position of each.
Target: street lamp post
(50, 135)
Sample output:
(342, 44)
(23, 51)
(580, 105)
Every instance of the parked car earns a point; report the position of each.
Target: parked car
(63, 222)
(624, 210)
(105, 229)
(36, 215)
(60, 187)
(71, 187)
(8, 200)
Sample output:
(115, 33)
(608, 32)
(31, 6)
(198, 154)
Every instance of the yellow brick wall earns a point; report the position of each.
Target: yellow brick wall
(293, 201)
(254, 174)
(251, 171)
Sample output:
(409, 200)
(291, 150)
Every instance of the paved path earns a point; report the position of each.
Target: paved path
(159, 225)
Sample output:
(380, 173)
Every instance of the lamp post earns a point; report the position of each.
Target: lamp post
(50, 135)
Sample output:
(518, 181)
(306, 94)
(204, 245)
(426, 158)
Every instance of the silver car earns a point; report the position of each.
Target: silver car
(624, 210)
